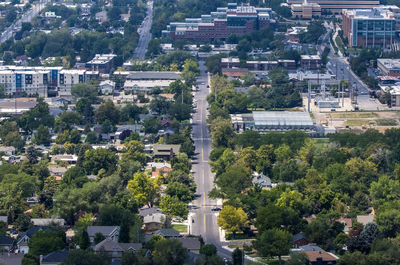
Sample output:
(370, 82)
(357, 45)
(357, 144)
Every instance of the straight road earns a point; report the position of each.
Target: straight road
(144, 33)
(26, 17)
(204, 221)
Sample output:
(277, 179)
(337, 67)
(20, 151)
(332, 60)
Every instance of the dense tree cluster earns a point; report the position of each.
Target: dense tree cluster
(346, 176)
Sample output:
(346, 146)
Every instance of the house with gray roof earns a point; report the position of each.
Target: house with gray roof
(115, 249)
(167, 233)
(191, 243)
(165, 151)
(111, 232)
(54, 258)
(6, 242)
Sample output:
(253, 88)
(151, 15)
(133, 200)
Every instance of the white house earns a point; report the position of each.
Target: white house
(107, 87)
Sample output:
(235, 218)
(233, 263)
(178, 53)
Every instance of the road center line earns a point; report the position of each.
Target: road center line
(205, 226)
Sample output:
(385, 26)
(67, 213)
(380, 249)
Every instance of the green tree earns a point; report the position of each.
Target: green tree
(173, 206)
(42, 136)
(84, 90)
(101, 158)
(232, 219)
(84, 241)
(389, 222)
(273, 242)
(180, 190)
(208, 250)
(144, 189)
(84, 107)
(222, 133)
(169, 252)
(44, 242)
(107, 111)
(237, 257)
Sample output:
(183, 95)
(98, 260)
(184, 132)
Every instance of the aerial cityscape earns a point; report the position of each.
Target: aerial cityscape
(199, 132)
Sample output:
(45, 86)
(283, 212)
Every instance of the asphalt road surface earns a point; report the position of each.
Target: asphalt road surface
(26, 17)
(341, 68)
(144, 33)
(202, 220)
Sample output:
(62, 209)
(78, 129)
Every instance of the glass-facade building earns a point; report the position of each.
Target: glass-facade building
(369, 28)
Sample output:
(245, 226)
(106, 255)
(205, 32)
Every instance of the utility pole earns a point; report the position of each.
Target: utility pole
(309, 95)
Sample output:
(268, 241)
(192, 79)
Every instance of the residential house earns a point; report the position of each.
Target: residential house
(154, 221)
(4, 219)
(321, 257)
(365, 219)
(125, 17)
(23, 239)
(6, 243)
(192, 244)
(167, 233)
(101, 16)
(54, 258)
(115, 249)
(147, 211)
(165, 151)
(69, 159)
(7, 150)
(57, 171)
(111, 232)
(47, 221)
(347, 222)
(262, 180)
(299, 240)
(121, 129)
(107, 87)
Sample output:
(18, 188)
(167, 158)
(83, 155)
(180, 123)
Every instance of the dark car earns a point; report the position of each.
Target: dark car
(216, 209)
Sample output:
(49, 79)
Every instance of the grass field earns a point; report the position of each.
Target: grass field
(386, 122)
(357, 122)
(354, 115)
(180, 228)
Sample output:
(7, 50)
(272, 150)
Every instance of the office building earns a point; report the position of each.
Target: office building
(369, 28)
(334, 6)
(233, 19)
(306, 10)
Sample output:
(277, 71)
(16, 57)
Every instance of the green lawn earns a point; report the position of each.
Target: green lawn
(180, 228)
(386, 122)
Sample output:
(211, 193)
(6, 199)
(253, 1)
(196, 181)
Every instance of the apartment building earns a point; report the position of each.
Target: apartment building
(369, 28)
(103, 63)
(233, 19)
(68, 78)
(310, 62)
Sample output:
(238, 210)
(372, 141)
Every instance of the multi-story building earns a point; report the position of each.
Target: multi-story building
(369, 28)
(310, 62)
(22, 80)
(233, 19)
(103, 63)
(230, 62)
(335, 6)
(306, 10)
(389, 66)
(68, 78)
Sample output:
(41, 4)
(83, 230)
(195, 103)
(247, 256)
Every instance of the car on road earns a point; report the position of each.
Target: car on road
(215, 209)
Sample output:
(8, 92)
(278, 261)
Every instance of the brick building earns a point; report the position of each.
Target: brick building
(233, 19)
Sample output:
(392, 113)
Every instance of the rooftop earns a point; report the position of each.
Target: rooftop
(152, 75)
(389, 63)
(374, 13)
(282, 118)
